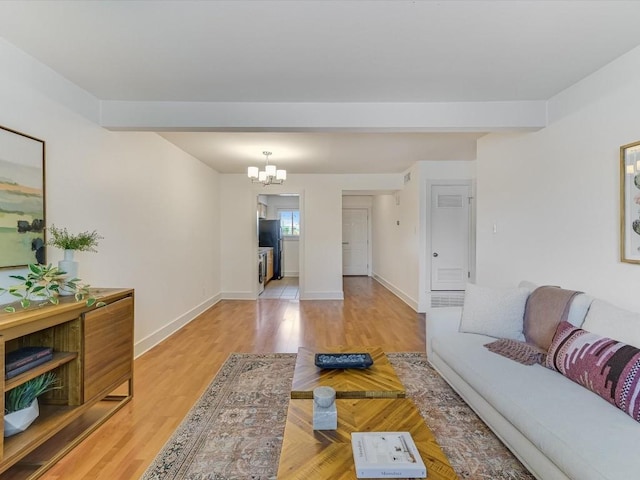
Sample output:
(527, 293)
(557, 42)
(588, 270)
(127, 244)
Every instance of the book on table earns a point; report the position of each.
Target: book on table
(386, 455)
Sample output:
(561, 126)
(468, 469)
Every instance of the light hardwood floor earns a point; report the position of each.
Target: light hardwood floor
(171, 377)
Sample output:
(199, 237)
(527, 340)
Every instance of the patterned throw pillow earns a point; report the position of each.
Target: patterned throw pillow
(605, 366)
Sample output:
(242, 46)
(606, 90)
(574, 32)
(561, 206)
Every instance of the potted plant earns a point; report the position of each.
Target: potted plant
(21, 402)
(43, 284)
(82, 242)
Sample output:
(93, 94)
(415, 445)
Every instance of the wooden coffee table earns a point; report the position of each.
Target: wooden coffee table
(309, 454)
(378, 381)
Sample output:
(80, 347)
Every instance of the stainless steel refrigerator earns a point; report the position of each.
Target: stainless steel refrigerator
(270, 235)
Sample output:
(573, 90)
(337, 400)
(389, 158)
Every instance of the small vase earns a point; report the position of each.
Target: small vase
(16, 422)
(70, 268)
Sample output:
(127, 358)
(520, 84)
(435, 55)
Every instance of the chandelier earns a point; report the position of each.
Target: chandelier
(269, 176)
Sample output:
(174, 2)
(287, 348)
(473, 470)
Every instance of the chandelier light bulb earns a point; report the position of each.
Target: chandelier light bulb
(271, 170)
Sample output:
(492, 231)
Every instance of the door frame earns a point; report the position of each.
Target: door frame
(472, 228)
(255, 194)
(369, 233)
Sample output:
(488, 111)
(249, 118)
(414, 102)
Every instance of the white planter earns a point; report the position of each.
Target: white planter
(16, 422)
(69, 267)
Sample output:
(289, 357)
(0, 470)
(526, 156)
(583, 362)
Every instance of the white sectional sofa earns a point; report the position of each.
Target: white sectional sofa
(556, 427)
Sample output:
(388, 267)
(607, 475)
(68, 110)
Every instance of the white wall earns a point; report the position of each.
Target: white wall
(357, 201)
(396, 239)
(554, 194)
(321, 230)
(156, 207)
(387, 239)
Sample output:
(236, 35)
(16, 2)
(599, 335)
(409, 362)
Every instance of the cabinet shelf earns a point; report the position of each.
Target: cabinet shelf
(59, 358)
(51, 419)
(65, 423)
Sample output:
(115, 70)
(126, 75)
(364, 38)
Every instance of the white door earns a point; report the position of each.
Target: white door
(355, 241)
(450, 236)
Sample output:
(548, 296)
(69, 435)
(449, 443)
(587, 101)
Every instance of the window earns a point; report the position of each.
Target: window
(289, 222)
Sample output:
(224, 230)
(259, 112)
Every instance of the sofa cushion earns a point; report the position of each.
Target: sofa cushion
(586, 437)
(605, 366)
(579, 308)
(613, 322)
(494, 312)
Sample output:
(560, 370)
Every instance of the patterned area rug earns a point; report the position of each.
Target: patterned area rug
(235, 429)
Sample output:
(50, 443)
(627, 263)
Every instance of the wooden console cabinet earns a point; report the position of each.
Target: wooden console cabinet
(93, 358)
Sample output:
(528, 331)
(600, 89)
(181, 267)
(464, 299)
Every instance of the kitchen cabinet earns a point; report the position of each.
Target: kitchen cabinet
(269, 265)
(262, 210)
(93, 358)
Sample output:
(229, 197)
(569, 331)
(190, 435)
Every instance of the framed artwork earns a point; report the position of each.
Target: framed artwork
(22, 205)
(630, 203)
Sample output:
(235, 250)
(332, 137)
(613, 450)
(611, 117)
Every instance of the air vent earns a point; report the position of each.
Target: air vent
(450, 274)
(447, 299)
(450, 201)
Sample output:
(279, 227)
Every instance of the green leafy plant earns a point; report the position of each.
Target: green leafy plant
(23, 395)
(43, 284)
(82, 242)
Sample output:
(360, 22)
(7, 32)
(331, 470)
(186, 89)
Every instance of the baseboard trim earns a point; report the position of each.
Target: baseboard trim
(172, 327)
(396, 291)
(238, 296)
(323, 296)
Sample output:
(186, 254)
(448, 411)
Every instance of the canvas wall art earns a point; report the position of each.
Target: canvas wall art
(630, 203)
(22, 199)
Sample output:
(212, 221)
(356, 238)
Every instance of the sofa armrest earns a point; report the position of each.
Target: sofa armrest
(441, 321)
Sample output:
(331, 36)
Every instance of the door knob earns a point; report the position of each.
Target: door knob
(435, 254)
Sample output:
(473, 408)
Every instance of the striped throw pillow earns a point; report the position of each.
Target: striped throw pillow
(605, 366)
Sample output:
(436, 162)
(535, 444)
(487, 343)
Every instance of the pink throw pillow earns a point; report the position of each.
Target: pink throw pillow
(605, 366)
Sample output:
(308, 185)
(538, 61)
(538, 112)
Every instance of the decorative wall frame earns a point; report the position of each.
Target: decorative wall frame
(630, 203)
(22, 199)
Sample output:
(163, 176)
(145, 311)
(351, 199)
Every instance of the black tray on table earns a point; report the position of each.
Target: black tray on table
(343, 360)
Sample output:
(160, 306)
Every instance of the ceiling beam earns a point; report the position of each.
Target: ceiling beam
(363, 117)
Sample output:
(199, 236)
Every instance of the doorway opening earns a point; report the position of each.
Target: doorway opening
(279, 233)
(355, 241)
(357, 220)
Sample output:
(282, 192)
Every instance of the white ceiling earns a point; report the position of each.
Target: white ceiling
(323, 51)
(325, 152)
